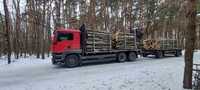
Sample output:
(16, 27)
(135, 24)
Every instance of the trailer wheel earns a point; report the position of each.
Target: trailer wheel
(144, 55)
(178, 53)
(159, 54)
(132, 56)
(121, 57)
(72, 61)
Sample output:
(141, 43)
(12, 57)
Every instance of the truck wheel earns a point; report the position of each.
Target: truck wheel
(53, 62)
(132, 56)
(72, 61)
(121, 57)
(178, 54)
(159, 54)
(144, 55)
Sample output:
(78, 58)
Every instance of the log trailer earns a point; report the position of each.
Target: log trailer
(71, 47)
(161, 47)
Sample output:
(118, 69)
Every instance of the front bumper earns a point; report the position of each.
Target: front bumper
(58, 59)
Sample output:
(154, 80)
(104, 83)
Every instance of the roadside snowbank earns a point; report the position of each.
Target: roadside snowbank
(143, 74)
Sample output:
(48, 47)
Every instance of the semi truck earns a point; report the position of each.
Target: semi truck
(72, 47)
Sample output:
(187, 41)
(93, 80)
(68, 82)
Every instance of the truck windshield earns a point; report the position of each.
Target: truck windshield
(64, 36)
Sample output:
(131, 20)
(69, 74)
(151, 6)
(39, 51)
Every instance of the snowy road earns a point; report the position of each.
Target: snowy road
(143, 74)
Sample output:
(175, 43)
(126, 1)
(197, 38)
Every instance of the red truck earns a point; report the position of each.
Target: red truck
(73, 47)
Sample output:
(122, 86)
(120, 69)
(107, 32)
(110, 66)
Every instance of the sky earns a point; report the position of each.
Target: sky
(11, 9)
(1, 6)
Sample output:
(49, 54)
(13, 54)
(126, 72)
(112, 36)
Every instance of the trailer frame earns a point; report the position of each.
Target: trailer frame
(162, 52)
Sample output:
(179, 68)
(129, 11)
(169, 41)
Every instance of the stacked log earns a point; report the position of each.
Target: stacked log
(153, 44)
(123, 41)
(104, 41)
(98, 41)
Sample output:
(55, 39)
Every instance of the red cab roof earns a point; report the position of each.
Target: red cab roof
(68, 30)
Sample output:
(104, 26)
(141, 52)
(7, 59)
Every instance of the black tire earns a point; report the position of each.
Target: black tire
(159, 54)
(53, 62)
(144, 55)
(132, 56)
(72, 61)
(178, 53)
(121, 57)
(181, 53)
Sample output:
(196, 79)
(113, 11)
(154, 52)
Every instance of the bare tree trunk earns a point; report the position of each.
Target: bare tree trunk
(43, 30)
(92, 14)
(48, 30)
(58, 13)
(8, 27)
(2, 38)
(190, 43)
(17, 26)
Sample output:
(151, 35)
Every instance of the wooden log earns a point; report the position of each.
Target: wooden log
(160, 44)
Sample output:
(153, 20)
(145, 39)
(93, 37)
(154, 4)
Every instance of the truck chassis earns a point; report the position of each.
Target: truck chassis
(76, 58)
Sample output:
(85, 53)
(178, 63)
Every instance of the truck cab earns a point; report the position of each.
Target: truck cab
(65, 42)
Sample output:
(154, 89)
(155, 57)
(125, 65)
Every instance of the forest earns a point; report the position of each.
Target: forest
(31, 22)
(27, 26)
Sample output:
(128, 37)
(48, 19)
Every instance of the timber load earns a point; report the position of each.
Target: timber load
(98, 41)
(123, 41)
(155, 44)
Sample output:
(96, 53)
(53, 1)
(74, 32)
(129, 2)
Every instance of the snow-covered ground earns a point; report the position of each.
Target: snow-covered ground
(143, 74)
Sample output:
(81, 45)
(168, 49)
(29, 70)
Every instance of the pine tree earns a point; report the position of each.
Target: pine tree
(8, 28)
(190, 42)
